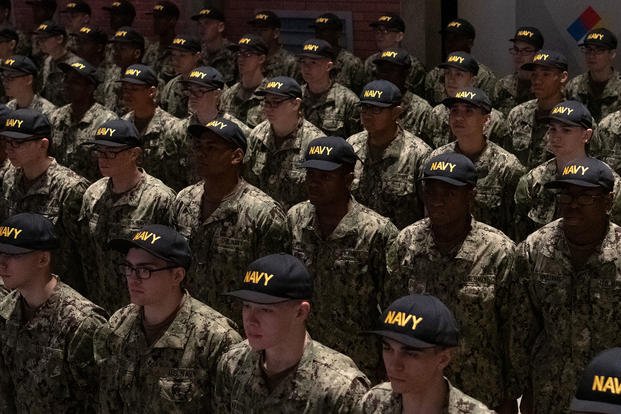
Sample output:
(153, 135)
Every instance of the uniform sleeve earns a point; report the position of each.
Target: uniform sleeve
(512, 177)
(222, 389)
(108, 396)
(249, 160)
(395, 284)
(523, 203)
(348, 400)
(7, 393)
(352, 117)
(383, 240)
(272, 235)
(500, 132)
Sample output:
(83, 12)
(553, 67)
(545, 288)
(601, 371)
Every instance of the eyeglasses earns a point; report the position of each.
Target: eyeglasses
(371, 109)
(274, 103)
(16, 143)
(516, 51)
(197, 92)
(384, 30)
(580, 199)
(141, 272)
(593, 50)
(245, 54)
(106, 154)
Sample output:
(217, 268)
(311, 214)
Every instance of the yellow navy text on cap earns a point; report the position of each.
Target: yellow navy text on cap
(541, 56)
(402, 319)
(105, 132)
(120, 33)
(320, 149)
(388, 53)
(133, 72)
(311, 47)
(217, 124)
(602, 383)
(145, 236)
(372, 93)
(9, 62)
(257, 277)
(78, 65)
(595, 36)
(322, 20)
(116, 4)
(158, 7)
(455, 59)
(178, 41)
(71, 5)
(197, 74)
(442, 166)
(205, 11)
(562, 110)
(454, 24)
(525, 33)
(10, 232)
(465, 94)
(12, 123)
(261, 16)
(385, 19)
(274, 85)
(42, 27)
(244, 41)
(85, 29)
(575, 169)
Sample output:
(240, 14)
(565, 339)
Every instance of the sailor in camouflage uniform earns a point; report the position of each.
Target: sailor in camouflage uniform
(389, 30)
(160, 353)
(279, 368)
(38, 184)
(76, 122)
(599, 89)
(326, 103)
(18, 78)
(466, 264)
(515, 88)
(276, 147)
(566, 287)
(498, 170)
(78, 14)
(228, 222)
(389, 157)
(459, 37)
(416, 351)
(91, 47)
(121, 14)
(528, 121)
(116, 205)
(241, 100)
(157, 53)
(343, 244)
(46, 327)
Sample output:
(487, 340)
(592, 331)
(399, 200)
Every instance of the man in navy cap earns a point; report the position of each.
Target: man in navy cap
(279, 368)
(280, 62)
(164, 326)
(465, 263)
(157, 53)
(78, 14)
(343, 244)
(419, 338)
(42, 11)
(598, 389)
(46, 327)
(121, 13)
(228, 222)
(18, 78)
(565, 289)
(91, 46)
(390, 157)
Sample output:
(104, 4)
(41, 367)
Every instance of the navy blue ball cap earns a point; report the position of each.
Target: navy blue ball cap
(186, 44)
(395, 55)
(265, 19)
(160, 241)
(529, 35)
(209, 13)
(205, 76)
(49, 28)
(598, 389)
(317, 49)
(275, 278)
(82, 68)
(26, 123)
(380, 93)
(460, 27)
(251, 42)
(93, 34)
(139, 75)
(472, 96)
(548, 59)
(586, 172)
(419, 321)
(8, 34)
(77, 6)
(281, 86)
(600, 37)
(127, 34)
(224, 128)
(390, 21)
(122, 7)
(27, 232)
(328, 154)
(572, 113)
(327, 21)
(116, 133)
(19, 65)
(462, 61)
(164, 8)
(452, 168)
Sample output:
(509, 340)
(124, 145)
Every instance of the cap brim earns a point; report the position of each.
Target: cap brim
(402, 338)
(531, 66)
(447, 180)
(284, 95)
(445, 65)
(594, 407)
(312, 56)
(106, 143)
(11, 249)
(450, 101)
(123, 245)
(379, 104)
(15, 134)
(193, 82)
(134, 81)
(322, 165)
(183, 49)
(563, 121)
(562, 183)
(256, 297)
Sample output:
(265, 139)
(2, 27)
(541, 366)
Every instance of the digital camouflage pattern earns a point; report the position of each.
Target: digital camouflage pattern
(335, 112)
(472, 282)
(417, 117)
(173, 100)
(110, 89)
(52, 78)
(69, 134)
(249, 111)
(47, 362)
(498, 173)
(324, 381)
(509, 92)
(386, 182)
(381, 400)
(609, 101)
(606, 141)
(164, 143)
(3, 290)
(562, 315)
(57, 195)
(246, 225)
(536, 205)
(434, 83)
(103, 71)
(349, 269)
(105, 216)
(38, 104)
(281, 63)
(496, 130)
(415, 81)
(276, 169)
(224, 61)
(159, 58)
(529, 140)
(349, 71)
(176, 374)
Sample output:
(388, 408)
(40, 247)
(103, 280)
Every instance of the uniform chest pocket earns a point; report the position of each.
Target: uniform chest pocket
(489, 197)
(521, 137)
(47, 371)
(222, 244)
(477, 291)
(550, 290)
(178, 388)
(332, 122)
(398, 185)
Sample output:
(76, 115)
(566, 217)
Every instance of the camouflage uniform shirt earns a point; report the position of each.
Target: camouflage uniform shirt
(47, 362)
(38, 104)
(159, 59)
(281, 63)
(277, 169)
(110, 89)
(68, 135)
(176, 374)
(609, 101)
(529, 140)
(606, 141)
(335, 112)
(509, 92)
(434, 83)
(249, 111)
(52, 78)
(223, 60)
(386, 182)
(105, 216)
(349, 70)
(324, 381)
(349, 269)
(472, 282)
(246, 225)
(417, 117)
(414, 83)
(172, 98)
(381, 400)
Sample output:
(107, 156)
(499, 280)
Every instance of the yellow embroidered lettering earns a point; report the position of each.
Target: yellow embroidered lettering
(454, 24)
(121, 33)
(525, 33)
(541, 56)
(312, 48)
(458, 59)
(389, 54)
(244, 41)
(274, 85)
(372, 94)
(179, 41)
(385, 19)
(14, 123)
(465, 94)
(595, 36)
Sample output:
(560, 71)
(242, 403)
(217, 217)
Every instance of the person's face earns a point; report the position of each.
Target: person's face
(279, 109)
(136, 96)
(567, 141)
(89, 50)
(16, 270)
(582, 207)
(522, 53)
(598, 58)
(7, 48)
(268, 34)
(163, 25)
(15, 83)
(547, 82)
(213, 157)
(409, 369)
(115, 161)
(327, 187)
(76, 20)
(210, 29)
(182, 61)
(151, 291)
(385, 38)
(249, 61)
(329, 35)
(467, 120)
(454, 42)
(315, 70)
(24, 152)
(446, 203)
(76, 87)
(48, 44)
(267, 326)
(202, 98)
(376, 119)
(125, 54)
(393, 73)
(455, 79)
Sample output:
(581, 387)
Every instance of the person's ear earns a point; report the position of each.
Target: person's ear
(220, 27)
(136, 53)
(276, 33)
(588, 134)
(400, 36)
(444, 358)
(303, 310)
(564, 77)
(396, 112)
(44, 260)
(178, 276)
(237, 157)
